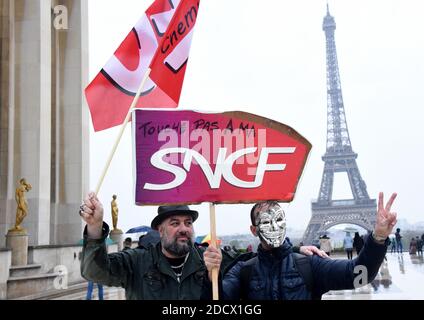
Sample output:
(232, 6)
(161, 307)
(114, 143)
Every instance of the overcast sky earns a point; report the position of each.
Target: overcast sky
(268, 58)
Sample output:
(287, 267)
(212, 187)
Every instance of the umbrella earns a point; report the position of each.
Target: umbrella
(199, 239)
(350, 229)
(139, 229)
(207, 239)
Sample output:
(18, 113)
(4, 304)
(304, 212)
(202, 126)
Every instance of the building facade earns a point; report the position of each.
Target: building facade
(44, 121)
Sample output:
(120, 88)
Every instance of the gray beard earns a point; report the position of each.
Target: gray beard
(178, 250)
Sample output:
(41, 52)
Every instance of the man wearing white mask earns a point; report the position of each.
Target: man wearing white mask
(277, 273)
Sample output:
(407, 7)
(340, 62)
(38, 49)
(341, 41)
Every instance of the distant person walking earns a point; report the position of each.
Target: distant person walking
(420, 244)
(348, 245)
(325, 244)
(358, 243)
(393, 243)
(413, 246)
(398, 241)
(90, 288)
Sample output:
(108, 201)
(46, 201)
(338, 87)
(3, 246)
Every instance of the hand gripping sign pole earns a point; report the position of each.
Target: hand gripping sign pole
(121, 132)
(215, 295)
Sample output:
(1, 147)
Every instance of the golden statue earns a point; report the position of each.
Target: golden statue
(115, 210)
(22, 209)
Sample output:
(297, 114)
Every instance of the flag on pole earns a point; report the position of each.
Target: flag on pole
(169, 63)
(164, 32)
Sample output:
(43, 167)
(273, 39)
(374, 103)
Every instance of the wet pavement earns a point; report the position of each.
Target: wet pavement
(401, 277)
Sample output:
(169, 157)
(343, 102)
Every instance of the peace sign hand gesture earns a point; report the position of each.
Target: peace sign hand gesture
(386, 219)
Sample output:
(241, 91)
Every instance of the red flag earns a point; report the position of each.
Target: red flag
(112, 91)
(170, 61)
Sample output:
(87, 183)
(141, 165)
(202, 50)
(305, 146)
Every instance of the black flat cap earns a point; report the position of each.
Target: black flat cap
(167, 211)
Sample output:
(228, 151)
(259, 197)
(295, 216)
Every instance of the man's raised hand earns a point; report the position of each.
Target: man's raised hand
(386, 219)
(91, 212)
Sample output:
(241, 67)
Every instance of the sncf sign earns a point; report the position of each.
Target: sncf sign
(223, 168)
(232, 157)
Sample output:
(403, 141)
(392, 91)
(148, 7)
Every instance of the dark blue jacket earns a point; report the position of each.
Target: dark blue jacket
(274, 276)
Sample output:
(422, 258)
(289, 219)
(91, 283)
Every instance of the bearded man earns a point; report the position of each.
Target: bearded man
(172, 269)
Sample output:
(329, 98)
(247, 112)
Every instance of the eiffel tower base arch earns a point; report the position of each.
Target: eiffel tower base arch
(340, 212)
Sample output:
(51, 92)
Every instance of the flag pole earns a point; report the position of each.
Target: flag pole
(215, 295)
(121, 132)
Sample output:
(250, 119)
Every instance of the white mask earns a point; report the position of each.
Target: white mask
(271, 226)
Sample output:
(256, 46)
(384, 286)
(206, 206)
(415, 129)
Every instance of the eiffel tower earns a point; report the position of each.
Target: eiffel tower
(339, 157)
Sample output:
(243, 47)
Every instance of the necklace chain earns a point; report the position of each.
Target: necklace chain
(178, 274)
(176, 267)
